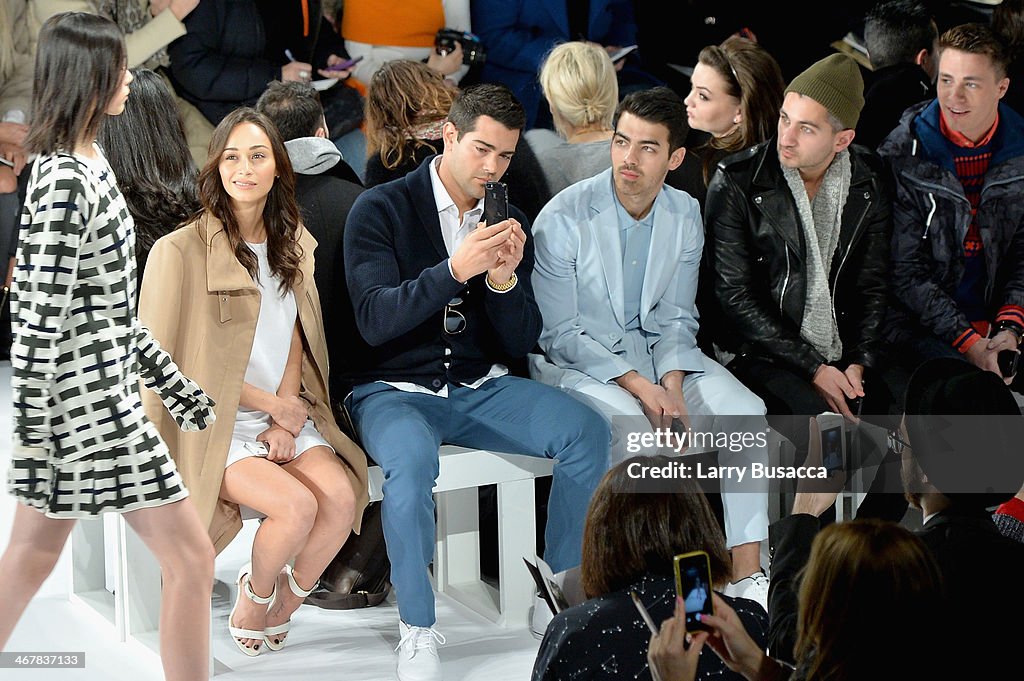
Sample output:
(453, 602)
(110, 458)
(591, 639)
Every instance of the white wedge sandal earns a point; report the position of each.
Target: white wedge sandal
(238, 633)
(273, 632)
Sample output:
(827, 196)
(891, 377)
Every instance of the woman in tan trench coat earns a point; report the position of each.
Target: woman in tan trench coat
(231, 297)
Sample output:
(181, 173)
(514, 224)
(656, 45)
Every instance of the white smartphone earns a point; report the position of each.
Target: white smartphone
(257, 448)
(622, 53)
(6, 162)
(832, 428)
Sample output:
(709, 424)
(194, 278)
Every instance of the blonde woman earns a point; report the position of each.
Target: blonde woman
(579, 83)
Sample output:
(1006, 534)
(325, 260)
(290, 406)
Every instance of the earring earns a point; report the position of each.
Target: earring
(736, 120)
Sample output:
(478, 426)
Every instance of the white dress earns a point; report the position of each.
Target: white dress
(267, 363)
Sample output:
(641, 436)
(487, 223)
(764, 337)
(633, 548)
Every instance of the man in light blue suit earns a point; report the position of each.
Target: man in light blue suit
(617, 258)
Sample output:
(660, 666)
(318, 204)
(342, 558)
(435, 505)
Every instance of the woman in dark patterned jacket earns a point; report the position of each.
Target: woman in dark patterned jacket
(82, 444)
(631, 536)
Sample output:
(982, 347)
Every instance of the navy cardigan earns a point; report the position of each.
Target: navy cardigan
(396, 267)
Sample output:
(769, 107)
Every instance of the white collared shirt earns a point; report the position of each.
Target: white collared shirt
(453, 231)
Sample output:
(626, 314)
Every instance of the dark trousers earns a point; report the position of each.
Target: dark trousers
(791, 399)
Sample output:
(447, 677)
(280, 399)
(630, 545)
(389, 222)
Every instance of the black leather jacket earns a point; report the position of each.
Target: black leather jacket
(757, 256)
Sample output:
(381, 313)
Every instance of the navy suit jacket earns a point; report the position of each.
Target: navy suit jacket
(396, 267)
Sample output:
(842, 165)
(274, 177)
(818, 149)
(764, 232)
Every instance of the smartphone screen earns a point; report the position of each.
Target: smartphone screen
(495, 203)
(832, 449)
(693, 585)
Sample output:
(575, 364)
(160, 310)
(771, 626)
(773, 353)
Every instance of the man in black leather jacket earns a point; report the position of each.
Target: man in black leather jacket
(804, 321)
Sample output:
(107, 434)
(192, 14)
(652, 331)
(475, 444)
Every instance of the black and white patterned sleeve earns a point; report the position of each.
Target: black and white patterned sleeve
(53, 224)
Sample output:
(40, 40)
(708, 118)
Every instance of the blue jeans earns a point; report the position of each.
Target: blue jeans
(402, 431)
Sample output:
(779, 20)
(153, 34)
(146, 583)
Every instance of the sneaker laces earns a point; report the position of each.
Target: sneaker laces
(422, 638)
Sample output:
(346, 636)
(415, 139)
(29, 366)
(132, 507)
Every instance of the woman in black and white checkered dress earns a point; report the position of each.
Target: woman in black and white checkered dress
(82, 443)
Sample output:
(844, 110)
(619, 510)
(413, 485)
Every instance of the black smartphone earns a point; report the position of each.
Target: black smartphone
(1007, 360)
(693, 585)
(495, 203)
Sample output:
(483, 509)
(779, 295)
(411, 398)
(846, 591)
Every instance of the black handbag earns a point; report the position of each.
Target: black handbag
(359, 576)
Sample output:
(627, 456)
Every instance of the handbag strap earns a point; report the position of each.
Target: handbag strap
(334, 601)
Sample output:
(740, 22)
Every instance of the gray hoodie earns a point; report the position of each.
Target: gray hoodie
(312, 155)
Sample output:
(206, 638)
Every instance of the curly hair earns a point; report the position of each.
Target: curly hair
(403, 95)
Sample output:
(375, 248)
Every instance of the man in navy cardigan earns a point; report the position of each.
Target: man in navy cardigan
(443, 304)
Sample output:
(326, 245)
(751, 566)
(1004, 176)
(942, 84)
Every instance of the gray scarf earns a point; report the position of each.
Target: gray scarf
(821, 221)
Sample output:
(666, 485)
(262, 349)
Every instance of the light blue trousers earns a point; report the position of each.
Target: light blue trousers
(402, 431)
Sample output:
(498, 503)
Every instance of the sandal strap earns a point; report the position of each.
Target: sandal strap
(238, 632)
(278, 629)
(245, 586)
(294, 586)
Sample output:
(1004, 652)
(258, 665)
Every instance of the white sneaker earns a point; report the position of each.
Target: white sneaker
(540, 617)
(754, 588)
(417, 653)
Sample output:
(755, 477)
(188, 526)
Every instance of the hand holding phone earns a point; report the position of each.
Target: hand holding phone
(344, 65)
(1008, 360)
(693, 585)
(622, 53)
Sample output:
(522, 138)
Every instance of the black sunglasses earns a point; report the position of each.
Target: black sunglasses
(454, 321)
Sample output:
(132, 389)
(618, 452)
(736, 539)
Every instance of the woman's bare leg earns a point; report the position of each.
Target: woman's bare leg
(321, 471)
(180, 543)
(35, 545)
(291, 510)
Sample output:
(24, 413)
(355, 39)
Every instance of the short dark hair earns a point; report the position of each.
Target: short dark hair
(896, 30)
(80, 59)
(977, 39)
(293, 107)
(1008, 24)
(487, 99)
(631, 531)
(658, 105)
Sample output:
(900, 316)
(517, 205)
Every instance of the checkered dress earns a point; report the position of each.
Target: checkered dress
(82, 443)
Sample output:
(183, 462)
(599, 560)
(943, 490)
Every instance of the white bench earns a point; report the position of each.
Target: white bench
(130, 597)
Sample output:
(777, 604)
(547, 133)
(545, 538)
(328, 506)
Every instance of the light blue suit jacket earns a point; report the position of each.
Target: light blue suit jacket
(577, 281)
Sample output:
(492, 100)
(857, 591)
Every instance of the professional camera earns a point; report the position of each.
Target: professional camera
(472, 49)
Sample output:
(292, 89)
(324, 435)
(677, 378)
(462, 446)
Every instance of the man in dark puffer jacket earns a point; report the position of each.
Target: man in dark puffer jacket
(958, 234)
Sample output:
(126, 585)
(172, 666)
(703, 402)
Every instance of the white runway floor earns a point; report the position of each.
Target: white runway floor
(355, 645)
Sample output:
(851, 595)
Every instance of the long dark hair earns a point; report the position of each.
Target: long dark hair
(80, 60)
(281, 216)
(753, 77)
(629, 532)
(147, 150)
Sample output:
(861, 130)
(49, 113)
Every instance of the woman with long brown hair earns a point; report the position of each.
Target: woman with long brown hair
(223, 293)
(407, 104)
(735, 97)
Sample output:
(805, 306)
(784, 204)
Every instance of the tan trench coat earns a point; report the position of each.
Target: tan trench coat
(202, 306)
